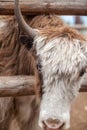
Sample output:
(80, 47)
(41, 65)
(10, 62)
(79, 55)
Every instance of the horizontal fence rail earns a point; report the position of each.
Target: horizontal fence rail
(16, 86)
(80, 27)
(36, 7)
(24, 85)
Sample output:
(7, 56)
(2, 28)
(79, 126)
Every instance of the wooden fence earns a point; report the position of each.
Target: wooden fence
(80, 27)
(24, 85)
(36, 7)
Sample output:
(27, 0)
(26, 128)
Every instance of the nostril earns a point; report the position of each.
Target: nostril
(53, 124)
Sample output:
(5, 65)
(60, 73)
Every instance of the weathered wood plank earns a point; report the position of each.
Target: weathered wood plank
(16, 86)
(36, 7)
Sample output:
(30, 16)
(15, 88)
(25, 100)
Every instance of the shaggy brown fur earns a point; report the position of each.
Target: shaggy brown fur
(63, 31)
(15, 59)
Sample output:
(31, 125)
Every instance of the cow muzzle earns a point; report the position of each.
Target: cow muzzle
(53, 124)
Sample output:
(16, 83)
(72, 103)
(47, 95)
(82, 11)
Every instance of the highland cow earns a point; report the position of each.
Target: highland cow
(43, 46)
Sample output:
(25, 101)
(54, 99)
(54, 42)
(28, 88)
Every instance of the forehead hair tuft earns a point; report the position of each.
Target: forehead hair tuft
(63, 31)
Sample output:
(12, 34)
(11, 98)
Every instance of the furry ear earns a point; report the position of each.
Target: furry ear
(26, 41)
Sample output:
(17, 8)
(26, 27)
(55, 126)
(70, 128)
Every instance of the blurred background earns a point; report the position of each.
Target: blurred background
(80, 22)
(75, 19)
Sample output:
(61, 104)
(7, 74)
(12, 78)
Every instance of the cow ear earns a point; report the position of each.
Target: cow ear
(26, 41)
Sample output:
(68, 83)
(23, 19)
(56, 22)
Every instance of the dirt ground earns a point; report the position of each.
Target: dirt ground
(79, 113)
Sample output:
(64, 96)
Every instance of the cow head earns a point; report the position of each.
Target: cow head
(62, 59)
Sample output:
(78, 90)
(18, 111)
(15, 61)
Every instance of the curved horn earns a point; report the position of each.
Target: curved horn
(21, 22)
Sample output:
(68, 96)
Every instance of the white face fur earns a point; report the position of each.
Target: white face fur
(62, 61)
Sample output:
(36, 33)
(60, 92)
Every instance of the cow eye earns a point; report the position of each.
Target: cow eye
(39, 67)
(82, 72)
